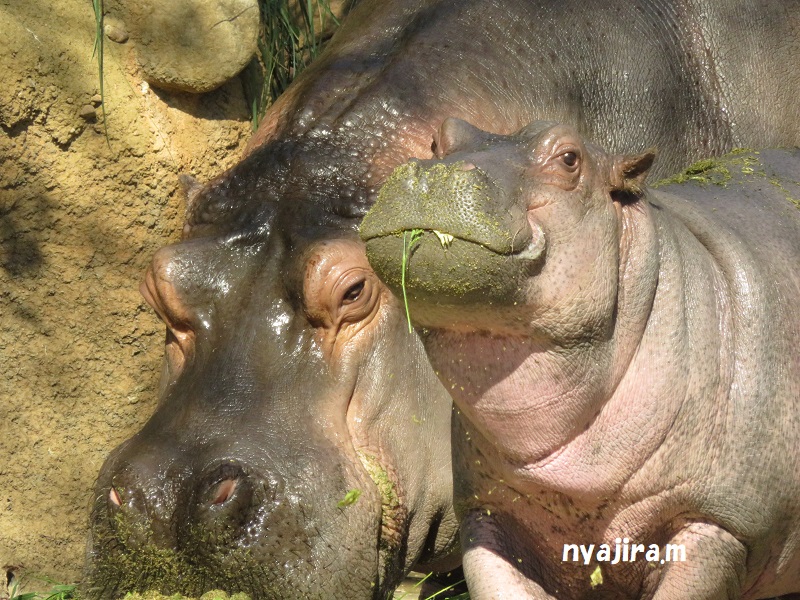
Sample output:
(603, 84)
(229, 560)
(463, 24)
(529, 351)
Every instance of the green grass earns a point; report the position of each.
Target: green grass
(287, 43)
(436, 596)
(57, 592)
(415, 235)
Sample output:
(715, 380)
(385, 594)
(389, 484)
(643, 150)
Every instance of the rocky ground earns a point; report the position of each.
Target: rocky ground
(80, 217)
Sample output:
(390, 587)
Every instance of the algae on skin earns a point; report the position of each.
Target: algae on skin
(349, 499)
(145, 566)
(392, 511)
(212, 595)
(717, 171)
(445, 239)
(596, 578)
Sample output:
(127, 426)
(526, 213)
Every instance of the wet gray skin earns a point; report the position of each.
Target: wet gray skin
(271, 405)
(622, 360)
(267, 463)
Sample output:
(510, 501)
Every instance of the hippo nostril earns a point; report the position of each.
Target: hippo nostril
(467, 166)
(224, 491)
(114, 497)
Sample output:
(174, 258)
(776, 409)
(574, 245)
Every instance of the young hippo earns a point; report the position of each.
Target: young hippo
(624, 361)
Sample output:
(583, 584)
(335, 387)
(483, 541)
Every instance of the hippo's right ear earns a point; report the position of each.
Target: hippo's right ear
(190, 187)
(628, 174)
(453, 135)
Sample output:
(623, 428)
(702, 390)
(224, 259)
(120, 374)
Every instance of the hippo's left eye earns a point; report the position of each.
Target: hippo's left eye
(354, 297)
(353, 292)
(340, 288)
(570, 159)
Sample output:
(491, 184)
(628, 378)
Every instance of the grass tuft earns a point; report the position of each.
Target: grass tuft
(436, 595)
(57, 592)
(292, 35)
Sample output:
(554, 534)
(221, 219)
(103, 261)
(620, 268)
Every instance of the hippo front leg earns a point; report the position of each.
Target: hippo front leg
(714, 567)
(490, 563)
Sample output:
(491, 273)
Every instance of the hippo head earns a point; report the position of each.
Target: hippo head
(502, 222)
(300, 448)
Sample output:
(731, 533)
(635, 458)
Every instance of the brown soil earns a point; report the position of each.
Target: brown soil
(80, 217)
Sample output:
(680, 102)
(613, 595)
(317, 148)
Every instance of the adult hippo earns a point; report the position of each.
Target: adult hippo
(625, 362)
(290, 384)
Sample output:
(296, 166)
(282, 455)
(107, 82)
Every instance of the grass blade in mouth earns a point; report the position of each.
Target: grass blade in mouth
(415, 235)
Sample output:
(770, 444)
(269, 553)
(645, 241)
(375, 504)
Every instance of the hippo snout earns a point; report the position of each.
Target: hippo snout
(442, 228)
(145, 504)
(456, 199)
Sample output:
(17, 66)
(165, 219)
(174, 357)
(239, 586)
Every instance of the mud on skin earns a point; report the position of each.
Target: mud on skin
(287, 361)
(633, 378)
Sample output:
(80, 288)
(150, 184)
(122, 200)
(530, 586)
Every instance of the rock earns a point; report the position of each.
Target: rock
(87, 112)
(115, 31)
(190, 45)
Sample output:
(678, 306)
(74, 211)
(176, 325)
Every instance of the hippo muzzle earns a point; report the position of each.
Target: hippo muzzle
(445, 228)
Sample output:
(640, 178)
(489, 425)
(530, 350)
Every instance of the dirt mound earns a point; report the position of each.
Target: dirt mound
(80, 218)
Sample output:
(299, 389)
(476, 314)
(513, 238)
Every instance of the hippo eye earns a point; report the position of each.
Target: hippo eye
(357, 299)
(570, 159)
(353, 292)
(340, 288)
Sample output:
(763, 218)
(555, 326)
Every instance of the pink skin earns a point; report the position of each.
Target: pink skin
(617, 398)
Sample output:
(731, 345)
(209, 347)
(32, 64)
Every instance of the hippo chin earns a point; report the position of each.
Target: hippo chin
(628, 394)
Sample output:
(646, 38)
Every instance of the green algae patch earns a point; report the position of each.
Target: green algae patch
(742, 164)
(596, 578)
(393, 513)
(443, 199)
(718, 171)
(140, 568)
(212, 595)
(777, 183)
(349, 499)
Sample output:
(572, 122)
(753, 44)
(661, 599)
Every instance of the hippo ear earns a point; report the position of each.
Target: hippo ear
(453, 135)
(628, 173)
(190, 187)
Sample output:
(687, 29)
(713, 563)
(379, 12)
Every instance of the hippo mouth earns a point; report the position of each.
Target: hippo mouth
(449, 233)
(431, 265)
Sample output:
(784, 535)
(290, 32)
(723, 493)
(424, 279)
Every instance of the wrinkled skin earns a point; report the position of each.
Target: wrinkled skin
(272, 411)
(624, 361)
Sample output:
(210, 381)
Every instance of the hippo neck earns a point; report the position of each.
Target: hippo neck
(577, 394)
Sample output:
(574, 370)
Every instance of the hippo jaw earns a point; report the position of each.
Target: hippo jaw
(456, 270)
(485, 247)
